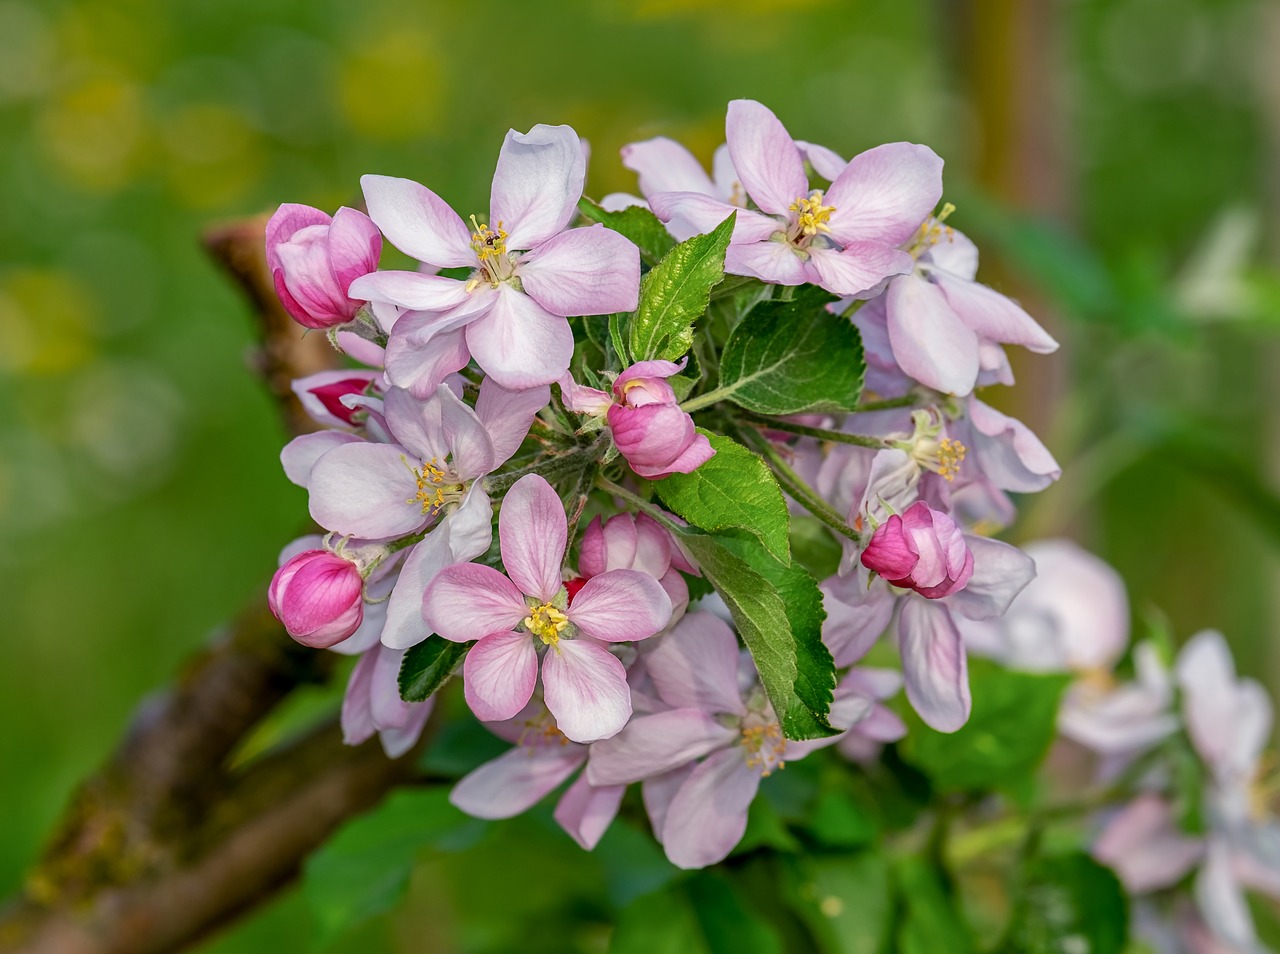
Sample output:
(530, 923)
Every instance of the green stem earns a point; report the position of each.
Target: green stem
(552, 467)
(907, 400)
(617, 490)
(822, 433)
(803, 494)
(706, 399)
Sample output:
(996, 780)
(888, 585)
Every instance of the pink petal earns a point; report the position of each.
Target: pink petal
(1142, 844)
(929, 342)
(515, 781)
(301, 453)
(585, 811)
(885, 193)
(856, 616)
(607, 546)
(471, 451)
(621, 606)
(415, 424)
(826, 162)
(587, 271)
(499, 674)
(585, 687)
(507, 415)
(291, 217)
(696, 665)
(1000, 571)
(666, 166)
(534, 532)
(992, 315)
(405, 626)
(399, 739)
(421, 362)
(859, 267)
(366, 490)
(652, 548)
(471, 525)
(469, 600)
(1011, 455)
(357, 713)
(412, 290)
(418, 222)
(520, 344)
(768, 163)
(933, 664)
(537, 184)
(1222, 903)
(708, 814)
(658, 793)
(687, 214)
(769, 261)
(651, 745)
(355, 245)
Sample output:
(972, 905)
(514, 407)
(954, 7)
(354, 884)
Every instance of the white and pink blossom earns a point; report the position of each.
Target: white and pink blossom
(313, 259)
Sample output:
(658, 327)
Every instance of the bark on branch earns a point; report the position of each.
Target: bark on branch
(170, 839)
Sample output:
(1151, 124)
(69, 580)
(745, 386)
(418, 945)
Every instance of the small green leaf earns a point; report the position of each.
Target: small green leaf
(636, 223)
(427, 666)
(787, 357)
(778, 612)
(676, 293)
(844, 900)
(617, 335)
(1069, 903)
(733, 490)
(1013, 722)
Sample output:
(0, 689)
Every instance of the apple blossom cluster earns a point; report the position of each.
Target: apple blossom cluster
(660, 401)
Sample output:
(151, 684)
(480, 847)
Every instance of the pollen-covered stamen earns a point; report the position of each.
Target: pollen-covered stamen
(929, 449)
(490, 246)
(436, 487)
(932, 231)
(541, 731)
(546, 622)
(764, 743)
(811, 217)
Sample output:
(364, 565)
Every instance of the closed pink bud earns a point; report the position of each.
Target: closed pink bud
(645, 383)
(319, 597)
(921, 550)
(658, 440)
(314, 259)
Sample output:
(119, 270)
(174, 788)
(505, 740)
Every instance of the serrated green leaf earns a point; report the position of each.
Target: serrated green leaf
(1013, 722)
(636, 223)
(733, 490)
(778, 612)
(427, 666)
(788, 357)
(1069, 903)
(676, 293)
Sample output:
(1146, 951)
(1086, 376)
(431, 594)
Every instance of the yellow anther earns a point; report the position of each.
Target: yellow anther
(541, 730)
(950, 455)
(765, 746)
(933, 230)
(812, 214)
(434, 490)
(487, 242)
(546, 622)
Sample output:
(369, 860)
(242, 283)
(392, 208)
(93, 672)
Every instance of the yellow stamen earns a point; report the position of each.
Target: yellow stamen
(950, 455)
(487, 242)
(932, 231)
(433, 489)
(813, 215)
(765, 746)
(546, 622)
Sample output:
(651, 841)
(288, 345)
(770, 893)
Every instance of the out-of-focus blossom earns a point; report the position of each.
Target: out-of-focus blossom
(373, 704)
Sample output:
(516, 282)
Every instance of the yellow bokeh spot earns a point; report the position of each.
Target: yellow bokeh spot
(93, 131)
(215, 156)
(390, 84)
(45, 322)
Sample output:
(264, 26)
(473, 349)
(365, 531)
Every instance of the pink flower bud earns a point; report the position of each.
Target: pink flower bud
(330, 396)
(314, 259)
(921, 550)
(319, 597)
(651, 432)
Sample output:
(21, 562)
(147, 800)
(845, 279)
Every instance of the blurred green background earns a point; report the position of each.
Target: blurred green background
(1117, 160)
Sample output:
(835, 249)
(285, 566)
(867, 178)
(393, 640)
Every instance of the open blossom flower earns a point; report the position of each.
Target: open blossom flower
(634, 542)
(540, 761)
(313, 260)
(318, 596)
(372, 704)
(845, 240)
(921, 550)
(515, 616)
(529, 270)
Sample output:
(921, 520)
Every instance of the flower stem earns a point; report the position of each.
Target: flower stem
(560, 465)
(796, 486)
(907, 400)
(822, 433)
(706, 399)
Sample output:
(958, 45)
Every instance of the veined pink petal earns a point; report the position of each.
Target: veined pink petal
(933, 664)
(515, 781)
(929, 342)
(467, 601)
(389, 710)
(607, 546)
(471, 525)
(537, 184)
(366, 490)
(585, 687)
(619, 605)
(856, 616)
(652, 548)
(583, 400)
(696, 666)
(773, 262)
(885, 193)
(301, 453)
(421, 363)
(470, 447)
(765, 156)
(892, 551)
(658, 793)
(291, 217)
(499, 674)
(654, 744)
(708, 814)
(405, 626)
(664, 165)
(586, 271)
(1011, 455)
(826, 162)
(687, 214)
(519, 343)
(506, 414)
(1000, 571)
(585, 810)
(412, 290)
(357, 715)
(415, 424)
(859, 267)
(533, 531)
(354, 246)
(418, 222)
(992, 315)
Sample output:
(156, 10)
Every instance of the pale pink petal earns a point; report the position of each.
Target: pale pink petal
(607, 546)
(933, 664)
(321, 394)
(1222, 903)
(466, 601)
(885, 193)
(301, 453)
(420, 363)
(955, 254)
(658, 793)
(1142, 844)
(696, 665)
(366, 490)
(856, 616)
(389, 710)
(1000, 572)
(355, 245)
(399, 739)
(687, 214)
(471, 525)
(584, 400)
(860, 266)
(620, 605)
(519, 343)
(651, 745)
(585, 687)
(768, 163)
(728, 186)
(587, 271)
(515, 781)
(585, 811)
(992, 315)
(499, 674)
(708, 814)
(415, 424)
(930, 343)
(357, 713)
(1228, 719)
(882, 725)
(405, 626)
(291, 217)
(412, 290)
(1010, 454)
(826, 162)
(617, 201)
(773, 262)
(507, 415)
(652, 547)
(471, 450)
(537, 184)
(533, 530)
(418, 222)
(664, 165)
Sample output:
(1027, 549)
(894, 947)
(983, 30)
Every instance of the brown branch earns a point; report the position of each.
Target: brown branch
(169, 840)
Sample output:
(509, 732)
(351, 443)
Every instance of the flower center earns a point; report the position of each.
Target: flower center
(491, 249)
(541, 730)
(764, 745)
(932, 231)
(546, 622)
(811, 218)
(436, 487)
(929, 450)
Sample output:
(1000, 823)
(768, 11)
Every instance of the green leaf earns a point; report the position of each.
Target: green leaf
(1069, 903)
(427, 666)
(676, 293)
(787, 357)
(929, 922)
(617, 335)
(778, 612)
(733, 490)
(636, 223)
(364, 869)
(1012, 724)
(659, 922)
(726, 921)
(844, 900)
